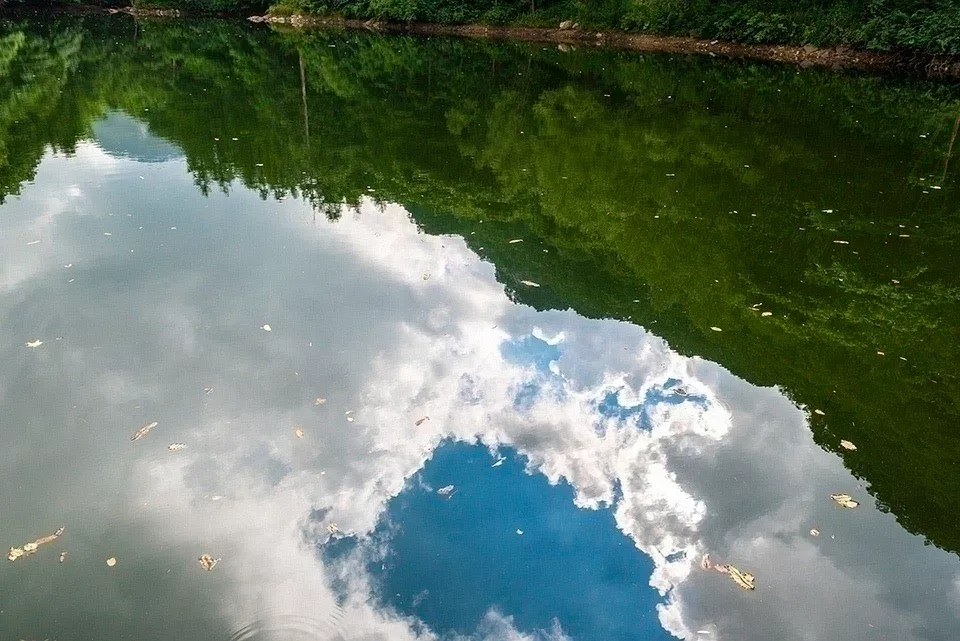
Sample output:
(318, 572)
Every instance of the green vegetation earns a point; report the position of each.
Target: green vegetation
(678, 194)
(927, 26)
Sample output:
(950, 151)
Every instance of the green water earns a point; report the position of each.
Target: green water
(681, 195)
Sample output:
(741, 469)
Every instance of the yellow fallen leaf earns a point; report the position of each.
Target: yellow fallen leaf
(844, 500)
(207, 562)
(143, 431)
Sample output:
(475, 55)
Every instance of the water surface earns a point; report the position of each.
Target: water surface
(552, 325)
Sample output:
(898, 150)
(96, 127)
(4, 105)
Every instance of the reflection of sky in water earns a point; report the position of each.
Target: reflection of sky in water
(670, 454)
(505, 540)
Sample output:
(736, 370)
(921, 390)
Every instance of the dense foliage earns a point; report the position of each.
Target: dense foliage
(679, 194)
(929, 26)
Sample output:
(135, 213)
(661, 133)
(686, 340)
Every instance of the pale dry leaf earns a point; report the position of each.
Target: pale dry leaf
(143, 431)
(207, 562)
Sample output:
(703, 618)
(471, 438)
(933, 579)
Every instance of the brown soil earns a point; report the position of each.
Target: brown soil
(805, 56)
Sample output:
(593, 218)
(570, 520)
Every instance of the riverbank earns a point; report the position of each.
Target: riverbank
(841, 57)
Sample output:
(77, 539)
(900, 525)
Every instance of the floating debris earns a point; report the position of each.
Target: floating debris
(716, 329)
(298, 433)
(207, 562)
(421, 421)
(31, 547)
(743, 579)
(267, 328)
(847, 445)
(515, 241)
(844, 500)
(36, 343)
(112, 561)
(63, 557)
(319, 401)
(332, 528)
(176, 447)
(814, 532)
(143, 431)
(529, 283)
(446, 490)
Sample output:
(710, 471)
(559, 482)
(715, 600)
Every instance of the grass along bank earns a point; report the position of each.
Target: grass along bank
(930, 27)
(901, 26)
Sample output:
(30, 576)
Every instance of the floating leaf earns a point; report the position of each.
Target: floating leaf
(207, 562)
(31, 548)
(844, 500)
(743, 579)
(421, 421)
(143, 431)
(176, 447)
(847, 445)
(112, 561)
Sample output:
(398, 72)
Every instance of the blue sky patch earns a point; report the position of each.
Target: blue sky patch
(508, 540)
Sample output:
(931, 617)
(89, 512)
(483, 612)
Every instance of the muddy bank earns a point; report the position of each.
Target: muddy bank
(805, 56)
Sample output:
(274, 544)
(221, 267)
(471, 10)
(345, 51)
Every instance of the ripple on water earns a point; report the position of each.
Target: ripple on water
(274, 626)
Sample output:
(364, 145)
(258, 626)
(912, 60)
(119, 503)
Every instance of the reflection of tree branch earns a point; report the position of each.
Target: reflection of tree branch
(953, 137)
(303, 94)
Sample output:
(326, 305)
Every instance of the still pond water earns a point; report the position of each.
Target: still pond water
(470, 342)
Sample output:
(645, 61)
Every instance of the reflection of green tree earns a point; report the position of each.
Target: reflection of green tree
(698, 190)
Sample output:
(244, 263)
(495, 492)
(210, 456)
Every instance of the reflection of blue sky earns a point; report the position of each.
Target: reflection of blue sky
(451, 560)
(173, 301)
(670, 392)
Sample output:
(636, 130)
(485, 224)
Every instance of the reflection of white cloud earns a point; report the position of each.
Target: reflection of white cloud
(405, 326)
